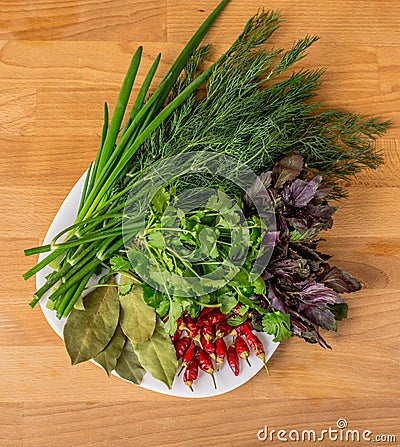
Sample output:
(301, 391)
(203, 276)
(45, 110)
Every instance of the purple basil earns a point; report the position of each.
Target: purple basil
(299, 280)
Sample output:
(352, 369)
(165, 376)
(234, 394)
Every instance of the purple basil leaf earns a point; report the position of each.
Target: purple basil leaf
(314, 292)
(303, 330)
(322, 192)
(314, 301)
(306, 329)
(290, 267)
(307, 252)
(272, 238)
(267, 245)
(339, 310)
(339, 280)
(300, 192)
(258, 188)
(298, 223)
(281, 222)
(287, 169)
(320, 211)
(276, 299)
(319, 313)
(284, 266)
(266, 179)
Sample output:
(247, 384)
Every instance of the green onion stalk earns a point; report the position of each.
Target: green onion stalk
(96, 234)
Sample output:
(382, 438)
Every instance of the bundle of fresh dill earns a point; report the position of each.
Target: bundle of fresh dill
(245, 107)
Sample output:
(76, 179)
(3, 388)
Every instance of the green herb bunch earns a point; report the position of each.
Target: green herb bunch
(250, 106)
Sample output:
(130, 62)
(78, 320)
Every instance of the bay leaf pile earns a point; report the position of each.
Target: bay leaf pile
(119, 331)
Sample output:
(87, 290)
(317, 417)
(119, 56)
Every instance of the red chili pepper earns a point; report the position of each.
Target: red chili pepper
(205, 361)
(176, 336)
(191, 327)
(201, 322)
(233, 359)
(188, 356)
(242, 349)
(242, 328)
(215, 317)
(208, 347)
(206, 364)
(220, 351)
(208, 332)
(224, 329)
(179, 322)
(255, 344)
(195, 334)
(188, 322)
(211, 318)
(191, 373)
(181, 346)
(204, 312)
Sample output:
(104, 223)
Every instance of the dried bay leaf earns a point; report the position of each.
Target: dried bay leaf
(109, 356)
(137, 319)
(157, 355)
(87, 332)
(128, 365)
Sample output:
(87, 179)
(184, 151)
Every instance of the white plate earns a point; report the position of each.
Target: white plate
(203, 386)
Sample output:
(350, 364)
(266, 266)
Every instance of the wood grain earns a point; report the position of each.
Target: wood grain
(59, 61)
(83, 20)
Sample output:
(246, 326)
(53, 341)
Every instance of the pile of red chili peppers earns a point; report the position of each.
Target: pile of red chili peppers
(200, 343)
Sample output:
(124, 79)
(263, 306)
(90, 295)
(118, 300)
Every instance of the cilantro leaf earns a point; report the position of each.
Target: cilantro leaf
(189, 306)
(236, 320)
(156, 299)
(160, 200)
(228, 301)
(124, 289)
(278, 324)
(155, 239)
(118, 264)
(175, 311)
(259, 286)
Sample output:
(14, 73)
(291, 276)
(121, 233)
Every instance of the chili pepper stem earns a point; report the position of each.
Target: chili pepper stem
(189, 383)
(266, 369)
(248, 362)
(180, 371)
(214, 382)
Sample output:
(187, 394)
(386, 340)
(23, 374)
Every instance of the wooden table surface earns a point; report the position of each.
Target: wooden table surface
(59, 61)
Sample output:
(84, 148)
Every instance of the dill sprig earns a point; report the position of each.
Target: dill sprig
(250, 112)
